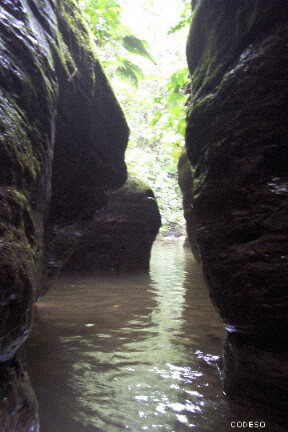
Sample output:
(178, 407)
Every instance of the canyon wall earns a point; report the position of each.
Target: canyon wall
(62, 142)
(236, 142)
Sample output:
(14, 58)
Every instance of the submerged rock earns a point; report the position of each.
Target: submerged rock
(121, 234)
(236, 142)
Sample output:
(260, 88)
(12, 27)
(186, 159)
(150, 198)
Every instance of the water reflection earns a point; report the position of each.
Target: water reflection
(130, 353)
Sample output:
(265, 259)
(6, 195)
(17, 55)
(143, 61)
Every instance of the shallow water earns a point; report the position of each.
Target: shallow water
(136, 353)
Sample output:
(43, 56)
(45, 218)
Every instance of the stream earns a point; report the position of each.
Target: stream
(131, 352)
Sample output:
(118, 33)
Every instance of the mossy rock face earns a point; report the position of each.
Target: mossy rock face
(28, 97)
(57, 114)
(237, 145)
(121, 235)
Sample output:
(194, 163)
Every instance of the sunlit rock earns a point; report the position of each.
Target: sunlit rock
(237, 145)
(122, 232)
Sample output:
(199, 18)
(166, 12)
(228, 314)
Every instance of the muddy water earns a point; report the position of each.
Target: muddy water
(130, 353)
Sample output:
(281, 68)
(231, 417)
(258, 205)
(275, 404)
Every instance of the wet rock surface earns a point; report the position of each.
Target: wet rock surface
(122, 233)
(259, 373)
(90, 141)
(236, 142)
(54, 95)
(18, 404)
(91, 131)
(28, 94)
(62, 142)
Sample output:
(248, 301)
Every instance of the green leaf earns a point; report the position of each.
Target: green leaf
(156, 118)
(103, 16)
(185, 19)
(129, 71)
(136, 46)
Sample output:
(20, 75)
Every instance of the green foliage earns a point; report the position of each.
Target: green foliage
(155, 103)
(177, 87)
(185, 18)
(176, 99)
(136, 46)
(155, 169)
(104, 19)
(129, 71)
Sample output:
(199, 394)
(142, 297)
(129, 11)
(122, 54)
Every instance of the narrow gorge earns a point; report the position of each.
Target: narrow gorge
(120, 343)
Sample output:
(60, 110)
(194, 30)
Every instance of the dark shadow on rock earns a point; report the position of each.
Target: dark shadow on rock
(122, 233)
(236, 142)
(18, 403)
(62, 142)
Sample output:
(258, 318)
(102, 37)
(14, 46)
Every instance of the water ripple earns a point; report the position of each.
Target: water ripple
(133, 353)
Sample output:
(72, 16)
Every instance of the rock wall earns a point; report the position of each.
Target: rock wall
(18, 404)
(122, 233)
(185, 180)
(90, 141)
(237, 145)
(91, 131)
(53, 94)
(28, 98)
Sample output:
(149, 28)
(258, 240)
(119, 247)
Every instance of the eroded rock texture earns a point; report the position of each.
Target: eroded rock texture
(121, 235)
(53, 93)
(237, 145)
